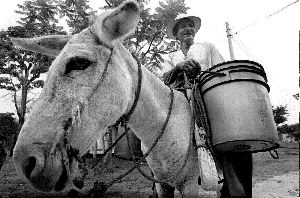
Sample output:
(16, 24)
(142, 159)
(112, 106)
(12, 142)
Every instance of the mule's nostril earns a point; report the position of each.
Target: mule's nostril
(41, 169)
(29, 166)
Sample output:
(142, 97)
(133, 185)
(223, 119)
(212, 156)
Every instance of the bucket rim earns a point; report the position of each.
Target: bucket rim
(203, 78)
(217, 68)
(238, 61)
(232, 67)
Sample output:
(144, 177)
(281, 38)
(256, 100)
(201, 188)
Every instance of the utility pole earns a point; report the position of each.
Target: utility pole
(229, 36)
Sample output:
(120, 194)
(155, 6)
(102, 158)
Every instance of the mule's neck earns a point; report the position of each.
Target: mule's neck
(153, 107)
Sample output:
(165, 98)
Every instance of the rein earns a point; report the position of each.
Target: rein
(124, 119)
(100, 187)
(68, 153)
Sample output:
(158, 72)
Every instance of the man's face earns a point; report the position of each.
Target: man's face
(186, 31)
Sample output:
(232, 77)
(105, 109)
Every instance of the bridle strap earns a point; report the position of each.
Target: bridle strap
(104, 73)
(67, 151)
(174, 175)
(125, 117)
(100, 186)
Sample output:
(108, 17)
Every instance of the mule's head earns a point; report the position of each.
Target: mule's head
(87, 89)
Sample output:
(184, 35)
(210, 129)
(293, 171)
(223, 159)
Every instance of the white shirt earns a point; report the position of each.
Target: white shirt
(205, 53)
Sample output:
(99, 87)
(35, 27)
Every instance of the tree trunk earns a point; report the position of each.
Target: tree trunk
(22, 110)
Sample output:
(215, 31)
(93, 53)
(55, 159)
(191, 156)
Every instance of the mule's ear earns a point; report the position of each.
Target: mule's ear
(49, 45)
(119, 22)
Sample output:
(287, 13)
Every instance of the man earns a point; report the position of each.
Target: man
(192, 56)
(184, 29)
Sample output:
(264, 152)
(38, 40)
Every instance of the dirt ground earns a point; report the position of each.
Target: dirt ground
(271, 178)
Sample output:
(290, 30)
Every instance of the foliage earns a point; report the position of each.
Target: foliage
(280, 114)
(296, 96)
(20, 70)
(8, 126)
(149, 43)
(170, 10)
(77, 13)
(292, 130)
(19, 67)
(39, 18)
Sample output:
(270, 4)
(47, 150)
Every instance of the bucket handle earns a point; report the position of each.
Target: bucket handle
(220, 74)
(275, 155)
(216, 73)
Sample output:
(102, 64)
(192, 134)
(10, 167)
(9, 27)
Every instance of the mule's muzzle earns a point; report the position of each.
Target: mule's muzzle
(45, 172)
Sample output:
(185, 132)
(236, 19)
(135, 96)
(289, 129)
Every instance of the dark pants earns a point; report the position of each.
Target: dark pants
(237, 170)
(2, 154)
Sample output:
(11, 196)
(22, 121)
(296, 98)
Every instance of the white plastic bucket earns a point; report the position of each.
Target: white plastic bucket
(238, 107)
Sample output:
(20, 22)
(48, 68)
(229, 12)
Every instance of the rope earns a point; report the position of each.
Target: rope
(192, 129)
(202, 118)
(108, 149)
(125, 118)
(104, 73)
(100, 185)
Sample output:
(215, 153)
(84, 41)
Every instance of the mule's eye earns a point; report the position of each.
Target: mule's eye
(77, 63)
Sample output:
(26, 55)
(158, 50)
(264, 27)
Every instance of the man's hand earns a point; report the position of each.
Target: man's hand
(190, 67)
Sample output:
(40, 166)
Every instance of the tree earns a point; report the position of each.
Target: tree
(149, 43)
(39, 18)
(296, 132)
(20, 70)
(280, 114)
(170, 10)
(77, 13)
(296, 96)
(8, 126)
(292, 130)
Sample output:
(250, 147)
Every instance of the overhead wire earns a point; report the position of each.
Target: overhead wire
(268, 16)
(285, 97)
(241, 44)
(247, 51)
(254, 23)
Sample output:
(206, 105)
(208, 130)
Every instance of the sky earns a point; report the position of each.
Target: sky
(262, 32)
